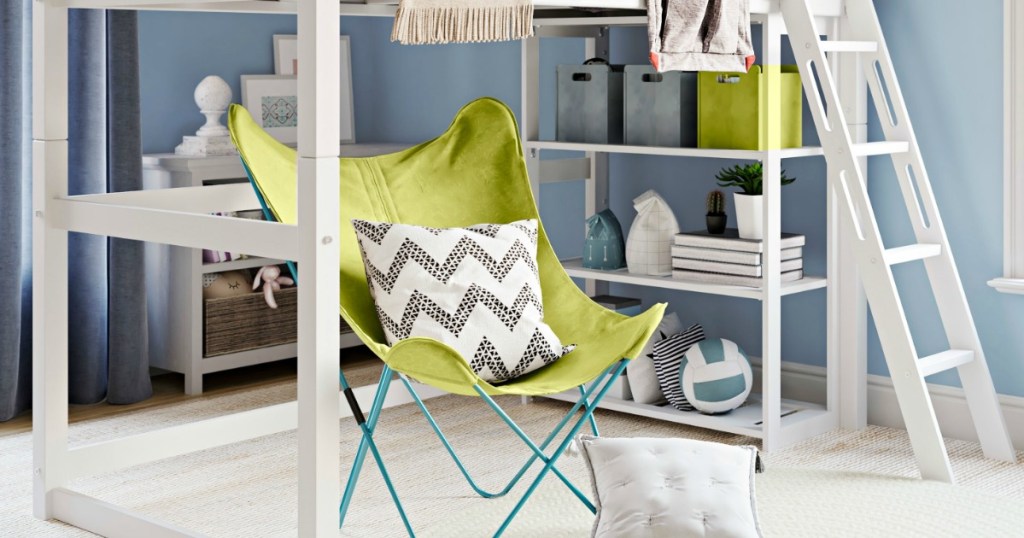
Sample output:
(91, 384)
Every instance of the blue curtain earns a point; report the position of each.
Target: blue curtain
(108, 349)
(15, 202)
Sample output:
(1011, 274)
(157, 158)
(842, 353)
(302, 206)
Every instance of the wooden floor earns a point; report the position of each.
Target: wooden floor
(169, 388)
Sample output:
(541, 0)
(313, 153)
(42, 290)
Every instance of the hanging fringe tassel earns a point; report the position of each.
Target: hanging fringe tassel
(424, 23)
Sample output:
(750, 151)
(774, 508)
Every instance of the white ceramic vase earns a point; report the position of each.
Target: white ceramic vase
(749, 213)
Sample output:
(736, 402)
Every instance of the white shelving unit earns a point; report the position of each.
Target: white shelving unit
(181, 217)
(778, 422)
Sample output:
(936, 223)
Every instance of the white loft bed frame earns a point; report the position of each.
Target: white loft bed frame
(180, 217)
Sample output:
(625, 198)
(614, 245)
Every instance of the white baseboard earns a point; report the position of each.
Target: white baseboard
(807, 383)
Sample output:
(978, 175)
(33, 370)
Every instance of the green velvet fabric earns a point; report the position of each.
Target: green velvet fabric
(473, 173)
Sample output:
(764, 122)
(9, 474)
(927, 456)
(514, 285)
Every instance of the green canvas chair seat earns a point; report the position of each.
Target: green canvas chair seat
(473, 173)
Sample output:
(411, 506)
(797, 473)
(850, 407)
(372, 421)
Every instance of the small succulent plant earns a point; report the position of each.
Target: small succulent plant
(747, 178)
(716, 203)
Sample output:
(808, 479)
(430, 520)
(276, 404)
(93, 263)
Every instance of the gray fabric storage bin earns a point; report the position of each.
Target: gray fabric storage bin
(589, 102)
(661, 108)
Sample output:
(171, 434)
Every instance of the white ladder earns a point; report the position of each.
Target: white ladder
(874, 261)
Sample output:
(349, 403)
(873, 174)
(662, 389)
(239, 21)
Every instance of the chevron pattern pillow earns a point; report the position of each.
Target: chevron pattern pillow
(476, 289)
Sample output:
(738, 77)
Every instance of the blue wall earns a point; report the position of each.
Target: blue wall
(410, 94)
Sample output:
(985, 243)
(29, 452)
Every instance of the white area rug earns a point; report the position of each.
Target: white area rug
(840, 484)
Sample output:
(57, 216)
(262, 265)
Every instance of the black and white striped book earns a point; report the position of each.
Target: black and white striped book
(730, 256)
(730, 240)
(731, 280)
(732, 268)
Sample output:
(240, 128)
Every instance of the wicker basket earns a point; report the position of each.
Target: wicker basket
(245, 322)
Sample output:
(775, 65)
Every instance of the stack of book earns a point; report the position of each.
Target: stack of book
(727, 259)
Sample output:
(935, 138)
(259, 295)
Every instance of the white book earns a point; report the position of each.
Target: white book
(730, 256)
(731, 280)
(732, 268)
(730, 240)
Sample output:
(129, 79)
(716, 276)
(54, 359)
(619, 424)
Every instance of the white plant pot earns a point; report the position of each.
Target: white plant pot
(749, 213)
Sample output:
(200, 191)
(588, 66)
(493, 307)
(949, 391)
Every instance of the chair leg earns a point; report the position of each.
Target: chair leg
(458, 462)
(586, 403)
(549, 465)
(364, 444)
(367, 443)
(451, 451)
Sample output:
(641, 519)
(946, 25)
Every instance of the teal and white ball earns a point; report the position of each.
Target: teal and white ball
(715, 376)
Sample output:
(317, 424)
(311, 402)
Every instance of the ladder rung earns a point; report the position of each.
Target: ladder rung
(868, 149)
(947, 360)
(849, 46)
(911, 253)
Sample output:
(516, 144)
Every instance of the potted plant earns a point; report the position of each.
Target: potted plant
(716, 217)
(749, 202)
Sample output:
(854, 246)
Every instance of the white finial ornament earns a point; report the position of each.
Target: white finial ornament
(212, 96)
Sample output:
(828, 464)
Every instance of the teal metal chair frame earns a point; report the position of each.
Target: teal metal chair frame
(600, 386)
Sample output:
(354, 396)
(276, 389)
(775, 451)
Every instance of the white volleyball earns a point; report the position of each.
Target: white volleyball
(715, 376)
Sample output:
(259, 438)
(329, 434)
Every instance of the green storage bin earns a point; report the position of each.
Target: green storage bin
(730, 115)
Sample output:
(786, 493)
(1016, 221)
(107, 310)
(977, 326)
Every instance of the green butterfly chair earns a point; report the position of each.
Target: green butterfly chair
(473, 173)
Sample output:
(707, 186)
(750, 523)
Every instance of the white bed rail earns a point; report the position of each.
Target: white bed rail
(386, 8)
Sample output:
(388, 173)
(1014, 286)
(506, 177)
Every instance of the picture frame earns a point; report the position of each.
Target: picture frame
(273, 102)
(286, 63)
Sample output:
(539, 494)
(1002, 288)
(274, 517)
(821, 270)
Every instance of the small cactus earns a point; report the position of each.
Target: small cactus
(716, 203)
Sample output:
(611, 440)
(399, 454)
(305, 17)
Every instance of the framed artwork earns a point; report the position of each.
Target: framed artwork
(273, 102)
(286, 62)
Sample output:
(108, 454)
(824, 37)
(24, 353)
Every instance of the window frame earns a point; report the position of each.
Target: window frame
(1012, 280)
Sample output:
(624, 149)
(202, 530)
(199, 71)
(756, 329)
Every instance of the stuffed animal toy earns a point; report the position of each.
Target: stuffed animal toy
(270, 277)
(226, 284)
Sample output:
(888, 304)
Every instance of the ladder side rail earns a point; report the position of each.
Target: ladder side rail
(954, 310)
(880, 287)
(914, 182)
(915, 185)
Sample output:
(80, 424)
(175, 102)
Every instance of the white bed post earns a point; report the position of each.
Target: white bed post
(771, 304)
(318, 208)
(852, 319)
(50, 255)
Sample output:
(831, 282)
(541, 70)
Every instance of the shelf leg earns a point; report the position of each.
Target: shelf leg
(318, 209)
(771, 305)
(530, 129)
(596, 197)
(194, 368)
(50, 256)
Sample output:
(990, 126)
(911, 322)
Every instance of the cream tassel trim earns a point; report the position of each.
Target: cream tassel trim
(423, 23)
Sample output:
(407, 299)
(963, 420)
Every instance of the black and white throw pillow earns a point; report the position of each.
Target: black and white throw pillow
(668, 354)
(476, 289)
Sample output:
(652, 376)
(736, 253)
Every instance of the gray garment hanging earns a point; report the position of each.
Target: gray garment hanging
(699, 35)
(107, 331)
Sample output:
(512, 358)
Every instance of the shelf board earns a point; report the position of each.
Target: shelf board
(744, 420)
(733, 154)
(250, 357)
(238, 265)
(574, 268)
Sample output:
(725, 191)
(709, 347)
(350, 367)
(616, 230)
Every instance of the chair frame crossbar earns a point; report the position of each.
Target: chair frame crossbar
(589, 398)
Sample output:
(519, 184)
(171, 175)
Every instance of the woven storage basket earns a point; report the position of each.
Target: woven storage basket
(245, 322)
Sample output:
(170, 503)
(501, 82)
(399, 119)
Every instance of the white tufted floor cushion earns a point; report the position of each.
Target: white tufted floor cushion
(671, 488)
